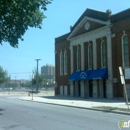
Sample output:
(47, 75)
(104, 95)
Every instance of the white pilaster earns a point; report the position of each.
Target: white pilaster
(94, 54)
(82, 56)
(71, 58)
(82, 68)
(109, 61)
(82, 88)
(71, 89)
(95, 89)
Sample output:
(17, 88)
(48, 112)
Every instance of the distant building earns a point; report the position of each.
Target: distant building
(48, 71)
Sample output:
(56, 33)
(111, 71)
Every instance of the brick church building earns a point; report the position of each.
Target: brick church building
(87, 59)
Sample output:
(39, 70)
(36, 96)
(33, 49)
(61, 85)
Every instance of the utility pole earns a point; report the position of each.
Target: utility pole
(15, 81)
(37, 80)
(32, 84)
(9, 85)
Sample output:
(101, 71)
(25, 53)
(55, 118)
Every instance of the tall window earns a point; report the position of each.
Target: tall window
(61, 63)
(125, 51)
(65, 62)
(103, 54)
(78, 58)
(90, 57)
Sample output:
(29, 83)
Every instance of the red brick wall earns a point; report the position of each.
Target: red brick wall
(62, 79)
(118, 29)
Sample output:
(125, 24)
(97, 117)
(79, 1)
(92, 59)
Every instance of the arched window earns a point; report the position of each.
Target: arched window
(61, 63)
(103, 54)
(78, 58)
(65, 62)
(90, 57)
(125, 51)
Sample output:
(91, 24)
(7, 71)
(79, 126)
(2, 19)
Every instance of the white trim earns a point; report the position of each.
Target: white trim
(94, 54)
(61, 90)
(82, 56)
(102, 42)
(110, 69)
(78, 58)
(80, 24)
(65, 63)
(123, 50)
(71, 58)
(95, 34)
(65, 90)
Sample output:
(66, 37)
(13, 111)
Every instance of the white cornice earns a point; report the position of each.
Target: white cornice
(90, 35)
(83, 21)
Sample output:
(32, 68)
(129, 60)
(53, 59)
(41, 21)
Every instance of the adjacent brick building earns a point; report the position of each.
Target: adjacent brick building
(87, 59)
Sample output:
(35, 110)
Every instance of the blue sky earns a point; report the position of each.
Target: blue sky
(39, 43)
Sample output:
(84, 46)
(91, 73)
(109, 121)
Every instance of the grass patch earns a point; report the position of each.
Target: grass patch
(108, 108)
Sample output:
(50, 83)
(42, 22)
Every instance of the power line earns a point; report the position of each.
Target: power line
(20, 73)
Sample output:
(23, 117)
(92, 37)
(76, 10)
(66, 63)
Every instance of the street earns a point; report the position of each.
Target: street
(24, 115)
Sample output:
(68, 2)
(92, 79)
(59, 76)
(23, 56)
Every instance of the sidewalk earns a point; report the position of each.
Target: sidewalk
(81, 103)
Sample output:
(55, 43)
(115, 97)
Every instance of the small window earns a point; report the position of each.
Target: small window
(78, 58)
(65, 62)
(90, 57)
(125, 51)
(61, 63)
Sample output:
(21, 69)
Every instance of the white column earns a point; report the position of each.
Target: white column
(95, 89)
(109, 61)
(82, 89)
(71, 89)
(71, 58)
(82, 56)
(61, 90)
(65, 90)
(82, 68)
(94, 54)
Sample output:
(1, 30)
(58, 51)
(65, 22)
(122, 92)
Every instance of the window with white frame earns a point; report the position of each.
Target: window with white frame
(78, 58)
(125, 51)
(103, 54)
(65, 62)
(61, 63)
(90, 56)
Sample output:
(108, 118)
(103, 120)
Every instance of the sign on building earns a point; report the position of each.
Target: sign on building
(127, 73)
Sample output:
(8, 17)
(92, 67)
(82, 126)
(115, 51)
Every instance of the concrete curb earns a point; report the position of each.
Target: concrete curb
(94, 109)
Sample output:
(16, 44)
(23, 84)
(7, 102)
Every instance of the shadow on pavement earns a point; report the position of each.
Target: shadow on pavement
(1, 110)
(84, 99)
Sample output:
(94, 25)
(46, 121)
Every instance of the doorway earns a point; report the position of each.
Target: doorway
(104, 88)
(90, 88)
(79, 88)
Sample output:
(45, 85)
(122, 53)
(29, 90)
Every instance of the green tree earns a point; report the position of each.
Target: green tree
(16, 16)
(3, 75)
(40, 79)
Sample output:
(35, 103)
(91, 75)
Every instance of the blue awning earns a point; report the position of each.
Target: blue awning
(80, 75)
(89, 74)
(99, 74)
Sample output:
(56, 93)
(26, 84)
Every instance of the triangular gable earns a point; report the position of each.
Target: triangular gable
(87, 20)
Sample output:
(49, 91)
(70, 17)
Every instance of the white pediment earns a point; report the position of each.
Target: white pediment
(85, 22)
